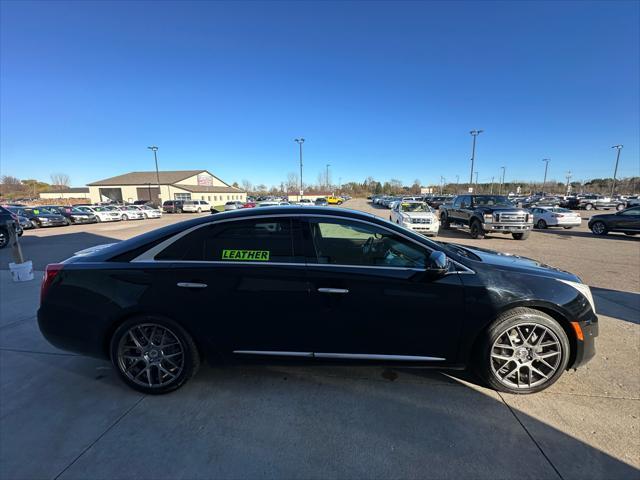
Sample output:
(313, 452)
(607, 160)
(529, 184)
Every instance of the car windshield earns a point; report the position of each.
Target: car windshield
(491, 200)
(415, 207)
(76, 210)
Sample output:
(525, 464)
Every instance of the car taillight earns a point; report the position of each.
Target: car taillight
(49, 274)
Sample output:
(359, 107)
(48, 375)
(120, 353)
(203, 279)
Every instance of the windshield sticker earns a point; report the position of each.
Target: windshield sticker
(256, 255)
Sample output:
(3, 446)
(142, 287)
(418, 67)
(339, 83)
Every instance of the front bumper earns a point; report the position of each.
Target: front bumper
(585, 349)
(507, 227)
(423, 228)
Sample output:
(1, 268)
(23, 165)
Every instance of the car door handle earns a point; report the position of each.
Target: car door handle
(333, 290)
(191, 285)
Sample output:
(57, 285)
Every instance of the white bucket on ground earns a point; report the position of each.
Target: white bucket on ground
(21, 272)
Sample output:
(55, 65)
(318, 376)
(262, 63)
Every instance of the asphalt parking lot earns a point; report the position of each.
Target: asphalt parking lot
(65, 416)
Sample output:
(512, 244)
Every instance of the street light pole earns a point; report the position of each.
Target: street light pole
(474, 134)
(476, 182)
(615, 172)
(300, 141)
(502, 181)
(492, 185)
(568, 180)
(154, 149)
(546, 166)
(327, 179)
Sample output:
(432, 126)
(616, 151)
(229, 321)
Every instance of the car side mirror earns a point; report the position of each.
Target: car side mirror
(437, 263)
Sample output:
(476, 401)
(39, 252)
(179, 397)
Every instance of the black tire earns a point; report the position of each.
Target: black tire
(4, 238)
(35, 224)
(619, 207)
(98, 220)
(179, 210)
(567, 228)
(487, 368)
(444, 221)
(190, 355)
(541, 224)
(125, 217)
(521, 235)
(599, 228)
(66, 222)
(475, 230)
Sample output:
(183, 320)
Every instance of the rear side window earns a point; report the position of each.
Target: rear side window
(260, 240)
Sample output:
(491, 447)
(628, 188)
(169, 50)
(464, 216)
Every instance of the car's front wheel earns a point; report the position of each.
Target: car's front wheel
(541, 224)
(599, 228)
(476, 230)
(523, 351)
(154, 355)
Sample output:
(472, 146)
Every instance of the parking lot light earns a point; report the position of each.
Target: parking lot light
(474, 134)
(546, 166)
(154, 149)
(615, 171)
(300, 141)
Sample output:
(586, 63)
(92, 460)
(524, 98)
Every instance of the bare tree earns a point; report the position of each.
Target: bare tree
(60, 181)
(247, 186)
(293, 182)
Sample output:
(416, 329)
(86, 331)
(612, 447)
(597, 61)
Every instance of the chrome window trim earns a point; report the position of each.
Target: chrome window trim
(346, 356)
(149, 255)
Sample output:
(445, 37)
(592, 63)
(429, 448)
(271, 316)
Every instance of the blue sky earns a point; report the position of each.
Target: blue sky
(389, 90)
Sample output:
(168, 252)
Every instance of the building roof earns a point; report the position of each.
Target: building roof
(68, 190)
(142, 178)
(208, 189)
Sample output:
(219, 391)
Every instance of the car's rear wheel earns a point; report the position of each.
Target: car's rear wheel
(154, 355)
(35, 224)
(523, 351)
(98, 219)
(619, 207)
(599, 228)
(541, 224)
(125, 217)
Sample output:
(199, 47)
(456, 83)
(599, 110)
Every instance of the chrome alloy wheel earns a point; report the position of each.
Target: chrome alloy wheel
(525, 356)
(150, 355)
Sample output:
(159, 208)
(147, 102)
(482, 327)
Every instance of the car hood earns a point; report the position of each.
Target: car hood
(50, 216)
(507, 261)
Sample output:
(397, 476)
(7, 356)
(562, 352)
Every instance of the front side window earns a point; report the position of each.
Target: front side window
(262, 240)
(345, 242)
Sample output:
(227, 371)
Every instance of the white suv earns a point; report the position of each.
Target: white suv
(197, 206)
(416, 216)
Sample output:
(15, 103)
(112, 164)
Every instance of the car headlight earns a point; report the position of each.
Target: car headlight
(488, 217)
(584, 290)
(43, 219)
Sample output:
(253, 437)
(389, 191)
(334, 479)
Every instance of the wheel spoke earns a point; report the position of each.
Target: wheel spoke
(144, 347)
(520, 344)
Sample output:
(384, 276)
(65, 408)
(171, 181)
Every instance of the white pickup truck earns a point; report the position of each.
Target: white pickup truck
(416, 216)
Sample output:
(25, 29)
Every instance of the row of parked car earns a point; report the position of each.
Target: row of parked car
(483, 214)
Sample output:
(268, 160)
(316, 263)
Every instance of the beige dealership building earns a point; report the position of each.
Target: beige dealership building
(173, 185)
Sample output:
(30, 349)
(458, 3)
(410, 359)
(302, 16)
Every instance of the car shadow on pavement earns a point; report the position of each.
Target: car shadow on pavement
(573, 233)
(617, 304)
(58, 247)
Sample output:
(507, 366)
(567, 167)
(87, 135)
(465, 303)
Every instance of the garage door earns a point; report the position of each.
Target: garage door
(152, 194)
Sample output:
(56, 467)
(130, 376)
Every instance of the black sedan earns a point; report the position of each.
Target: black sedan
(72, 214)
(316, 284)
(626, 221)
(40, 217)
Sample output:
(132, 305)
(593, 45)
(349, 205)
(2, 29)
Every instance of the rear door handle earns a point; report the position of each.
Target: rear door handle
(191, 285)
(333, 290)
